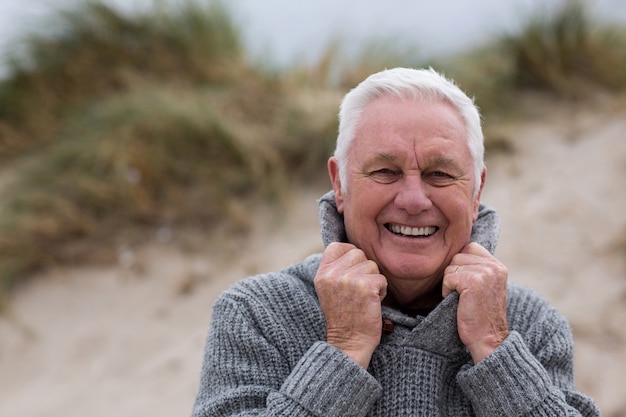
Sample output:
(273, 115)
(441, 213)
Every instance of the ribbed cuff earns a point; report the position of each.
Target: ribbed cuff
(328, 383)
(509, 382)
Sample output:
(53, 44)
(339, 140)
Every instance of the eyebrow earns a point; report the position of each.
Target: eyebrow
(434, 161)
(384, 157)
(442, 161)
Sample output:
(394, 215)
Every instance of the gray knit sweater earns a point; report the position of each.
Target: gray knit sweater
(266, 355)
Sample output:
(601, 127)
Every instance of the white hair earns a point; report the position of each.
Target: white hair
(416, 84)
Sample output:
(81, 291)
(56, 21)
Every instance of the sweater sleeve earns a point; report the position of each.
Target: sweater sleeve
(530, 375)
(244, 374)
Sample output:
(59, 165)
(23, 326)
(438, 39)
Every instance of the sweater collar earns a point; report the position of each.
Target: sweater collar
(435, 333)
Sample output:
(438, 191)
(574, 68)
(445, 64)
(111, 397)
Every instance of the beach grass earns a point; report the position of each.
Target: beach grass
(95, 51)
(568, 53)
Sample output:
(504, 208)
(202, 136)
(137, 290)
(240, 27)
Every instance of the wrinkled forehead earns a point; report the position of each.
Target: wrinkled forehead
(394, 129)
(421, 116)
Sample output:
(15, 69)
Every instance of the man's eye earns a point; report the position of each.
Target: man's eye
(384, 171)
(439, 178)
(384, 175)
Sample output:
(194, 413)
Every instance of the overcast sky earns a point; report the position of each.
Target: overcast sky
(287, 30)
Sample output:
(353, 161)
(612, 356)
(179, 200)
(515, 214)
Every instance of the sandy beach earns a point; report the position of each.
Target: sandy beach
(127, 339)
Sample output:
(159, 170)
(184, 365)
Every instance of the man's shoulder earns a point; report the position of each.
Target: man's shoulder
(285, 300)
(295, 280)
(527, 308)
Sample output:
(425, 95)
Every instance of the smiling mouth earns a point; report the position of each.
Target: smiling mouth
(411, 231)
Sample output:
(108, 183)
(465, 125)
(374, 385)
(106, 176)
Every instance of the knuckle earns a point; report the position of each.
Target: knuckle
(373, 266)
(355, 255)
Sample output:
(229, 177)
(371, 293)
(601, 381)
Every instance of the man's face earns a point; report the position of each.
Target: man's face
(409, 201)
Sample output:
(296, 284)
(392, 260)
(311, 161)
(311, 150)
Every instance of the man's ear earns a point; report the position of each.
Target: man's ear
(333, 172)
(476, 202)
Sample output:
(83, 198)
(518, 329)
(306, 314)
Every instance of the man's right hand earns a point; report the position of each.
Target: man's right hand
(350, 289)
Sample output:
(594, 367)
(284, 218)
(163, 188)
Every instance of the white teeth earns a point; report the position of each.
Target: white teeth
(412, 231)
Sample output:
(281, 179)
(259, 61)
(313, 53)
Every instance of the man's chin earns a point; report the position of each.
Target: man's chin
(413, 268)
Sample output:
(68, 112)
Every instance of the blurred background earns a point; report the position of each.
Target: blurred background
(284, 32)
(152, 152)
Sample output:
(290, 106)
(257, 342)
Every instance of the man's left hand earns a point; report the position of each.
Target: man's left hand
(480, 279)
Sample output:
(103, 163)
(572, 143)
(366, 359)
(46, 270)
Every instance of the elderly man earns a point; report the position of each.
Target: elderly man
(407, 312)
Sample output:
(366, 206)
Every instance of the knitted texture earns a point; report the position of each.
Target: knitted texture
(266, 355)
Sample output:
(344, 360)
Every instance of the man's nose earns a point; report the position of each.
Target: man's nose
(413, 195)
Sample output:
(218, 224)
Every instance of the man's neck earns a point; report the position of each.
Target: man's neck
(421, 306)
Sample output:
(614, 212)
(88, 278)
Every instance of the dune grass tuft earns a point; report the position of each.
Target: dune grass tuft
(567, 52)
(97, 51)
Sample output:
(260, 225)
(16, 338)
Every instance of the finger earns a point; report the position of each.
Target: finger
(472, 253)
(365, 283)
(362, 267)
(474, 248)
(336, 250)
(348, 257)
(450, 281)
(382, 288)
(338, 259)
